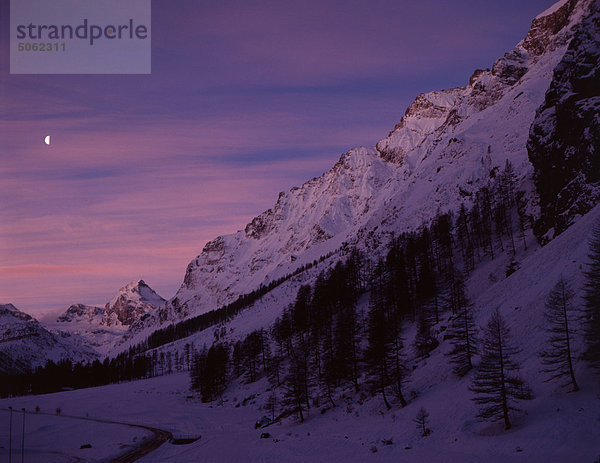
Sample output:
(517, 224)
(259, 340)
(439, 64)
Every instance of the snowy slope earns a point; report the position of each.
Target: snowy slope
(104, 327)
(554, 427)
(84, 323)
(130, 303)
(52, 438)
(26, 344)
(82, 314)
(446, 146)
(443, 149)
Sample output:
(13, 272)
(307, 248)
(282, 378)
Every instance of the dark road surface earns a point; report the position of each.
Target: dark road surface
(160, 437)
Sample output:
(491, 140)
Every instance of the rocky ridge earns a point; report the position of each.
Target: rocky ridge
(26, 344)
(564, 142)
(447, 144)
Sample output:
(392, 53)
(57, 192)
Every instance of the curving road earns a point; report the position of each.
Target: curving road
(160, 437)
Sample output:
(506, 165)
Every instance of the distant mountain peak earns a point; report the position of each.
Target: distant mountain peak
(26, 344)
(11, 310)
(131, 302)
(82, 313)
(448, 144)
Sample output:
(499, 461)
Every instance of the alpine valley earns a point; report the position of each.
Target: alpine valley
(358, 317)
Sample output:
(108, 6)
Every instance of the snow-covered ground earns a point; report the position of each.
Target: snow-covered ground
(52, 438)
(448, 145)
(556, 426)
(362, 192)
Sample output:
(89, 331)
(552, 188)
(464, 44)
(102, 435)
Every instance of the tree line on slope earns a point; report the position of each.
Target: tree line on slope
(203, 321)
(322, 343)
(142, 360)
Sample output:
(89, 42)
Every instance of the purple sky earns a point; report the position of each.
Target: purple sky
(245, 99)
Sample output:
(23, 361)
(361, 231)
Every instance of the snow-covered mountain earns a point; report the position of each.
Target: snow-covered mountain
(26, 344)
(82, 314)
(537, 107)
(80, 334)
(84, 323)
(447, 145)
(103, 327)
(130, 303)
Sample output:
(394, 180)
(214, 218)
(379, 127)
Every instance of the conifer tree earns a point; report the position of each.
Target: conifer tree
(346, 348)
(282, 333)
(252, 347)
(558, 355)
(395, 346)
(383, 355)
(521, 203)
(377, 354)
(427, 291)
(275, 370)
(464, 239)
(496, 384)
(399, 371)
(424, 341)
(271, 405)
(428, 311)
(265, 349)
(507, 184)
(187, 355)
(592, 300)
(209, 371)
(500, 222)
(296, 384)
(236, 359)
(354, 265)
(442, 232)
(506, 193)
(301, 308)
(397, 291)
(477, 226)
(484, 198)
(462, 330)
(421, 422)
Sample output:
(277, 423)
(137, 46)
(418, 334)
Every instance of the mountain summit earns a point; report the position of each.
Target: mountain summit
(104, 327)
(448, 144)
(130, 303)
(81, 313)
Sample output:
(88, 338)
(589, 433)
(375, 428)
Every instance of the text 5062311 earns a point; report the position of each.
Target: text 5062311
(41, 46)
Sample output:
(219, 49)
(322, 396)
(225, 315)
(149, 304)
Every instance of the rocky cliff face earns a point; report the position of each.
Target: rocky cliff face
(130, 303)
(305, 221)
(564, 143)
(543, 33)
(448, 144)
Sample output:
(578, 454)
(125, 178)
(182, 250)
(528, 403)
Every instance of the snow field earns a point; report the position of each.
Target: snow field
(555, 426)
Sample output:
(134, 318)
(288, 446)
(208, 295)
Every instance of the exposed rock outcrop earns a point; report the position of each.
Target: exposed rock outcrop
(564, 143)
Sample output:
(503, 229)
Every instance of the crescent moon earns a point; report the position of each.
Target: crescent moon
(47, 140)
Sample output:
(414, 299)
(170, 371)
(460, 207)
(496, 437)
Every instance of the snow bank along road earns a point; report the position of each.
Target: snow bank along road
(160, 436)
